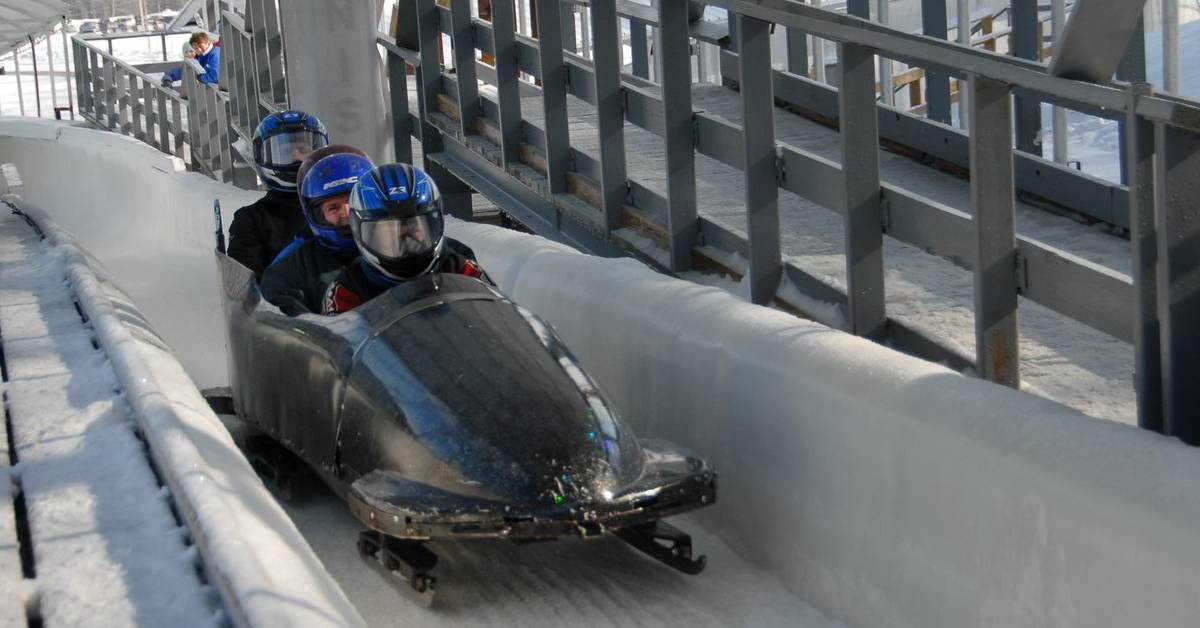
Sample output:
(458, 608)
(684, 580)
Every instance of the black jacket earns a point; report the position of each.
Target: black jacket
(261, 230)
(359, 282)
(296, 282)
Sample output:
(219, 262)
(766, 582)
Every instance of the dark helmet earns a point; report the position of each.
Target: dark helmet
(396, 219)
(281, 141)
(329, 177)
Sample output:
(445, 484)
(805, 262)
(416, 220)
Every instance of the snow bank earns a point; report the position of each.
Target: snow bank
(253, 554)
(883, 489)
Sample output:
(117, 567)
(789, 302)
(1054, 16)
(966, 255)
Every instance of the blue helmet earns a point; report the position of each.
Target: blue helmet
(332, 176)
(396, 219)
(281, 141)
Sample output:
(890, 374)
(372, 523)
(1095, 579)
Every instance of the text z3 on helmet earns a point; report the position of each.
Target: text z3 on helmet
(396, 219)
(331, 179)
(282, 141)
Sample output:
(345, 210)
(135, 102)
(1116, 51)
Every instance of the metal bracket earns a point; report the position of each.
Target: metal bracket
(780, 168)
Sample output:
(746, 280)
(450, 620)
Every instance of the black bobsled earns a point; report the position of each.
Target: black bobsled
(442, 410)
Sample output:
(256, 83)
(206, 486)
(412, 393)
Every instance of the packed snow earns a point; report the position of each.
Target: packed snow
(107, 549)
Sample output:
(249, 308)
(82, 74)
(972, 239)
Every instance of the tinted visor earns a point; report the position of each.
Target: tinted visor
(289, 149)
(400, 238)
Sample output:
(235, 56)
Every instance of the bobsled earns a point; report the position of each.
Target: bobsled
(443, 410)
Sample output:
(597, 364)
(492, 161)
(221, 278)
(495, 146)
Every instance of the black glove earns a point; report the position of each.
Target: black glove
(167, 82)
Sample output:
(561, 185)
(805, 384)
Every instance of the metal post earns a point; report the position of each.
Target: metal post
(20, 83)
(508, 86)
(50, 73)
(37, 88)
(818, 50)
(963, 15)
(554, 93)
(1132, 70)
(639, 49)
(886, 96)
(1139, 158)
(456, 197)
(1170, 45)
(610, 111)
(760, 158)
(797, 51)
(1058, 21)
(464, 64)
(568, 27)
(401, 121)
(164, 126)
(1177, 170)
(993, 203)
(937, 84)
(860, 172)
(1024, 22)
(67, 56)
(675, 77)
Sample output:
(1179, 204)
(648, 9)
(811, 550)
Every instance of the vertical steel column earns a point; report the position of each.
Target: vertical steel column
(274, 54)
(1170, 45)
(1139, 158)
(82, 78)
(177, 128)
(638, 48)
(37, 89)
(20, 84)
(50, 73)
(110, 95)
(859, 129)
(456, 196)
(1178, 227)
(818, 50)
(610, 111)
(762, 172)
(886, 95)
(937, 84)
(401, 122)
(137, 108)
(97, 96)
(124, 85)
(508, 86)
(1024, 22)
(675, 77)
(963, 17)
(568, 26)
(993, 202)
(554, 94)
(1058, 120)
(1133, 70)
(67, 57)
(797, 51)
(464, 64)
(164, 126)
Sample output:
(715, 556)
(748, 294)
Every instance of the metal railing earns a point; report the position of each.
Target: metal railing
(532, 169)
(117, 96)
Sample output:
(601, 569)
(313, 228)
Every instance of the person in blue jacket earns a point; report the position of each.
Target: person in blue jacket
(205, 53)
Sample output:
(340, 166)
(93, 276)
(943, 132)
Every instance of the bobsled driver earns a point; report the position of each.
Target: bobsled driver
(396, 222)
(261, 230)
(297, 280)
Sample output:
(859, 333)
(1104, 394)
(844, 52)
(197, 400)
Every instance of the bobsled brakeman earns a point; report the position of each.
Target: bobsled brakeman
(442, 410)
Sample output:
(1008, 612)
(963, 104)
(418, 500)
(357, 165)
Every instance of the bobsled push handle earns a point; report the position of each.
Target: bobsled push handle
(220, 231)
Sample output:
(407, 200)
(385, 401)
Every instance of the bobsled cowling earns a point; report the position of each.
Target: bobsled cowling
(441, 409)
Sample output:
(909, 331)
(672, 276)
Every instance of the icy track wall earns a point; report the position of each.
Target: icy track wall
(885, 490)
(141, 213)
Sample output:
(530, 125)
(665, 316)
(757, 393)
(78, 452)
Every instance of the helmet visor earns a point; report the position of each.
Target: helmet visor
(400, 238)
(290, 149)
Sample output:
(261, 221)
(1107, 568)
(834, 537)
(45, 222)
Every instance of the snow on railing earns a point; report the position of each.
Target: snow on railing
(252, 553)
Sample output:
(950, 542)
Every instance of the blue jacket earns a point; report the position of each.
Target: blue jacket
(211, 62)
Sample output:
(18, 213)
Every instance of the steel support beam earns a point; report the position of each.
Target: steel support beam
(1139, 164)
(397, 71)
(797, 52)
(993, 204)
(676, 81)
(759, 157)
(937, 83)
(508, 86)
(557, 145)
(610, 111)
(1023, 20)
(1178, 228)
(639, 50)
(463, 42)
(860, 175)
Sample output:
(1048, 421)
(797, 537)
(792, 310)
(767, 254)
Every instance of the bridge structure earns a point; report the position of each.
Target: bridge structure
(675, 133)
